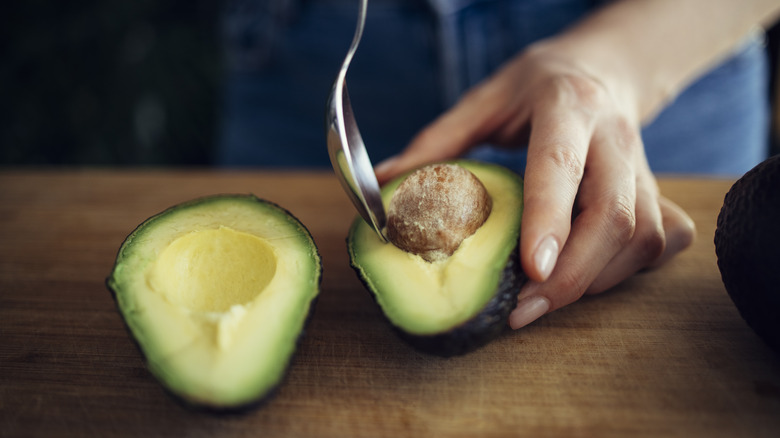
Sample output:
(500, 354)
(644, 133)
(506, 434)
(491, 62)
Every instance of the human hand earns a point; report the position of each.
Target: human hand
(593, 215)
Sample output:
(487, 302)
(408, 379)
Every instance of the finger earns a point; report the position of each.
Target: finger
(466, 124)
(603, 227)
(557, 151)
(679, 230)
(650, 247)
(647, 243)
(433, 144)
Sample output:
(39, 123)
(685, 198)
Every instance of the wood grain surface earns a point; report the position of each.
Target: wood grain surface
(663, 354)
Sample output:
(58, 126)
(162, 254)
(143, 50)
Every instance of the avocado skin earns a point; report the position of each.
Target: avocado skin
(263, 398)
(478, 331)
(747, 245)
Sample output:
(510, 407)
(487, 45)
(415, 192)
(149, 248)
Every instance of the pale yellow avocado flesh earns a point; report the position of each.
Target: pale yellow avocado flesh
(216, 295)
(213, 270)
(428, 298)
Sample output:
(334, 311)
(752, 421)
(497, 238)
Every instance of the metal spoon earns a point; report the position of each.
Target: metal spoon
(345, 145)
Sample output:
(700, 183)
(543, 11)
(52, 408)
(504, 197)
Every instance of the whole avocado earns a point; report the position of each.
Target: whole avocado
(747, 244)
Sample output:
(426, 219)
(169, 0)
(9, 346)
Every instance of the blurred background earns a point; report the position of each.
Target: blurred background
(155, 82)
(92, 82)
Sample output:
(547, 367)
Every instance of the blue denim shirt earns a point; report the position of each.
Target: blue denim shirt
(416, 59)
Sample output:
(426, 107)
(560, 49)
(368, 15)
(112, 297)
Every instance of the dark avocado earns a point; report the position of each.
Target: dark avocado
(216, 293)
(747, 244)
(456, 305)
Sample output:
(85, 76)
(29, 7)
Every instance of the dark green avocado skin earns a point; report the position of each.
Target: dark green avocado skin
(269, 395)
(478, 331)
(747, 244)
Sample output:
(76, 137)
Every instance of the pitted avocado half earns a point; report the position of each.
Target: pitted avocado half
(216, 293)
(456, 305)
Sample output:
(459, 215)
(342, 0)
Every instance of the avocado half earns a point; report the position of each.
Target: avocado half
(747, 245)
(216, 293)
(457, 305)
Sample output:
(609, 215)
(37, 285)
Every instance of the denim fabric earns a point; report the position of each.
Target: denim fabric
(415, 61)
(274, 112)
(720, 124)
(477, 36)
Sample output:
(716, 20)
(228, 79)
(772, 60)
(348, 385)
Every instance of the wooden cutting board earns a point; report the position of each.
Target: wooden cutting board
(663, 354)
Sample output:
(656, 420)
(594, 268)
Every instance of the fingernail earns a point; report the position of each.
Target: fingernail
(528, 311)
(528, 289)
(545, 256)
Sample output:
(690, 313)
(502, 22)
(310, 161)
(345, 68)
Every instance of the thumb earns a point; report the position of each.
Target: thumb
(449, 136)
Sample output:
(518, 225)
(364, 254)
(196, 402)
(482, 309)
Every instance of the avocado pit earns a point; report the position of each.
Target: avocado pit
(435, 208)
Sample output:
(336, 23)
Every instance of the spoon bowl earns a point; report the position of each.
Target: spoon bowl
(346, 148)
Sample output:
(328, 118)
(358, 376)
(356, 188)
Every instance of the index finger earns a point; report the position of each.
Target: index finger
(466, 124)
(557, 151)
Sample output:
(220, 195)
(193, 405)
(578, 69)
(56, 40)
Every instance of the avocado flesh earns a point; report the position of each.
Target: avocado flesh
(216, 293)
(427, 299)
